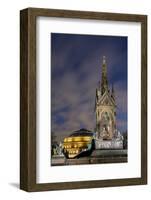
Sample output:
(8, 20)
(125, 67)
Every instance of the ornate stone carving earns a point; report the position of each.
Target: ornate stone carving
(105, 108)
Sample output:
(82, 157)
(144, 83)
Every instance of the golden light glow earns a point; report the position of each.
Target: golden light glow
(78, 139)
(74, 145)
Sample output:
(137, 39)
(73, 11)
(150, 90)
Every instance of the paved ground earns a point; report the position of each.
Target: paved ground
(97, 157)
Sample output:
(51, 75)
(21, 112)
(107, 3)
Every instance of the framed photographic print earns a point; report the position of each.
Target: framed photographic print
(83, 99)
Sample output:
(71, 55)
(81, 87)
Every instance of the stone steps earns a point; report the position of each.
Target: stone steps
(97, 157)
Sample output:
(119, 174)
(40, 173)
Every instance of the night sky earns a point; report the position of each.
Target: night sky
(76, 62)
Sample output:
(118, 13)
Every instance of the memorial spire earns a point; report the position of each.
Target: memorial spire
(104, 80)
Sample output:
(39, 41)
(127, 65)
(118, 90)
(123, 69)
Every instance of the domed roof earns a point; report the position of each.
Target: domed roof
(82, 132)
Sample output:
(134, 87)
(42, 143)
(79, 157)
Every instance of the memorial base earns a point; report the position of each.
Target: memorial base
(108, 144)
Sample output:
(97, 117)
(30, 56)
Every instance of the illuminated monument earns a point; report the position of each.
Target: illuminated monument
(107, 136)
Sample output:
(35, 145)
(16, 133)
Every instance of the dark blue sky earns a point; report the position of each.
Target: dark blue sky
(76, 62)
